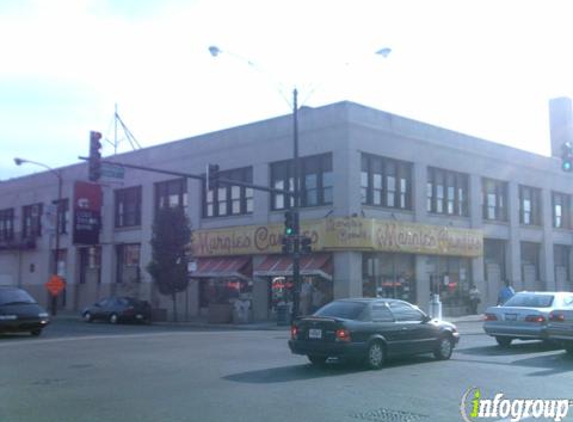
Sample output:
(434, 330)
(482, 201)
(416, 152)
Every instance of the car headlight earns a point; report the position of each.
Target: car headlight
(43, 315)
(8, 317)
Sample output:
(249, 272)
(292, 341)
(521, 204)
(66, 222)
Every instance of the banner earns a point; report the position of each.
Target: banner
(87, 213)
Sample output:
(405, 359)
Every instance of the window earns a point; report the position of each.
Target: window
(529, 205)
(7, 224)
(90, 265)
(405, 313)
(381, 313)
(172, 193)
(494, 200)
(230, 199)
(32, 221)
(128, 263)
(386, 182)
(562, 259)
(316, 182)
(64, 215)
(128, 207)
(447, 192)
(561, 210)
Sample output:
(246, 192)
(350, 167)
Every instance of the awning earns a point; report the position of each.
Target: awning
(223, 267)
(281, 266)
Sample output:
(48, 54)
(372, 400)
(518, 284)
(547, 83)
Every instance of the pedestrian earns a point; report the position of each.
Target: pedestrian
(506, 292)
(475, 299)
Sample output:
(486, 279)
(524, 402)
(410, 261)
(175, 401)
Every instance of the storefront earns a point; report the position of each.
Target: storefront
(244, 262)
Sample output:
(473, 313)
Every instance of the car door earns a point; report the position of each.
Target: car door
(384, 324)
(416, 334)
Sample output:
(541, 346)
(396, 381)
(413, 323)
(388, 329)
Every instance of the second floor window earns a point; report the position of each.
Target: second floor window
(494, 200)
(128, 207)
(316, 182)
(171, 193)
(230, 199)
(7, 224)
(447, 192)
(529, 205)
(32, 220)
(386, 182)
(561, 210)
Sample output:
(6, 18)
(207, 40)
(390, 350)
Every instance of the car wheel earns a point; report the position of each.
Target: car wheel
(375, 355)
(317, 360)
(36, 332)
(88, 317)
(445, 348)
(503, 341)
(113, 318)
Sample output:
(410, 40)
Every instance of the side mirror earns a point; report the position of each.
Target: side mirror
(427, 318)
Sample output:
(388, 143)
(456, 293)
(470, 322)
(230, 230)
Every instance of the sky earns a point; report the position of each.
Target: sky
(485, 68)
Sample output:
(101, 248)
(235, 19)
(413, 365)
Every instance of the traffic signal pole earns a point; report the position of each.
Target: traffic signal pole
(296, 244)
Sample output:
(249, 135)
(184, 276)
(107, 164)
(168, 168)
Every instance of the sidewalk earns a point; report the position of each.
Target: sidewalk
(202, 322)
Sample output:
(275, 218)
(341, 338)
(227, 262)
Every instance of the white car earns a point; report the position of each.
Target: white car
(560, 328)
(525, 316)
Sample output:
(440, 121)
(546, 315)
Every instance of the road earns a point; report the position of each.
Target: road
(81, 372)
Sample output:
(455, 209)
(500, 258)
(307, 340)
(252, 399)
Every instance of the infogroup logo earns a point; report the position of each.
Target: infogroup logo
(474, 407)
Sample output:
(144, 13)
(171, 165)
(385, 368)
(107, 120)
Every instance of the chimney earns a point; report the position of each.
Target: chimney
(560, 123)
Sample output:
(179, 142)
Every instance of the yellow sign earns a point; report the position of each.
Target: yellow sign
(350, 233)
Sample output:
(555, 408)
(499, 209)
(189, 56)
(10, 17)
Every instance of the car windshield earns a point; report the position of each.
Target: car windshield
(345, 310)
(15, 296)
(530, 300)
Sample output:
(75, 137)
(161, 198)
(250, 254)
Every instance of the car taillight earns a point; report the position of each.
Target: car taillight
(342, 334)
(490, 317)
(556, 317)
(535, 318)
(129, 310)
(293, 332)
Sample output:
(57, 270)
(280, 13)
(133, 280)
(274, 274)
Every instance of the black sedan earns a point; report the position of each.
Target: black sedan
(369, 330)
(118, 309)
(19, 312)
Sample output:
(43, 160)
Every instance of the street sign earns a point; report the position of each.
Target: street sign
(55, 285)
(112, 170)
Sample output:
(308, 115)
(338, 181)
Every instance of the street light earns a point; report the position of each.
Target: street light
(58, 174)
(215, 52)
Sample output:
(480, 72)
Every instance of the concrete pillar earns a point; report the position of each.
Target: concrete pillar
(420, 180)
(423, 271)
(347, 274)
(476, 219)
(547, 270)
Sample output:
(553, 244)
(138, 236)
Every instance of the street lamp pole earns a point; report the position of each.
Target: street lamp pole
(296, 251)
(58, 174)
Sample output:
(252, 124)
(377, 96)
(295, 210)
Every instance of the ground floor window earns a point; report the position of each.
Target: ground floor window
(530, 266)
(494, 261)
(223, 291)
(452, 281)
(90, 265)
(562, 262)
(315, 292)
(389, 275)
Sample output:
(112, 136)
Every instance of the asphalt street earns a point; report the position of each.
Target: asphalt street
(80, 372)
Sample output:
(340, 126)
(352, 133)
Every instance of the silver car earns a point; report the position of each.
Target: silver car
(525, 316)
(560, 327)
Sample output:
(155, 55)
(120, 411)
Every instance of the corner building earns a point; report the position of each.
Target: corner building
(394, 207)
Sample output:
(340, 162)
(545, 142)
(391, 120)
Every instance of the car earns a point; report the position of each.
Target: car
(560, 328)
(370, 330)
(524, 316)
(19, 312)
(116, 309)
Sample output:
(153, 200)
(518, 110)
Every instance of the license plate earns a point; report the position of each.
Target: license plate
(510, 317)
(315, 333)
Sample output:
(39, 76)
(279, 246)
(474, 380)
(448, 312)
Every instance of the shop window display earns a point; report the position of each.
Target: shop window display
(314, 293)
(389, 275)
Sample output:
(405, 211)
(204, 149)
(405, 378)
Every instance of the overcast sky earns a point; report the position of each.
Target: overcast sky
(486, 68)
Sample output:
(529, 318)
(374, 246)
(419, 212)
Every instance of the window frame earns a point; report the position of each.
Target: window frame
(447, 192)
(127, 206)
(230, 200)
(377, 174)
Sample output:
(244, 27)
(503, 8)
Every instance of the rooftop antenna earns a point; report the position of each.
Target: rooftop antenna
(127, 135)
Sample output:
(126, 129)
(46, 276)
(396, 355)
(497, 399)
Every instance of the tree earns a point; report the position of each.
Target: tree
(168, 265)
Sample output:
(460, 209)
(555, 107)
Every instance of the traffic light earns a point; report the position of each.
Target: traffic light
(95, 156)
(291, 223)
(567, 157)
(287, 245)
(212, 176)
(305, 245)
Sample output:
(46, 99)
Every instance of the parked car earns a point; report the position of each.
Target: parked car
(118, 309)
(19, 312)
(370, 330)
(524, 316)
(560, 328)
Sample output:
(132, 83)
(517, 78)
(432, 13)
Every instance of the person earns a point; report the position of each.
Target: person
(505, 293)
(475, 299)
(317, 298)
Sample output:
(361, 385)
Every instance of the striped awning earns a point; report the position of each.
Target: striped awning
(281, 266)
(223, 267)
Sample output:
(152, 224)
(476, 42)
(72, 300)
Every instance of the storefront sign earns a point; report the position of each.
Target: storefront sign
(350, 233)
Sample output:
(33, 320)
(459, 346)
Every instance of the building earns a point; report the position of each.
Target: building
(395, 207)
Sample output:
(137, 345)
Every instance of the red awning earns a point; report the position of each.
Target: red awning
(281, 266)
(223, 267)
